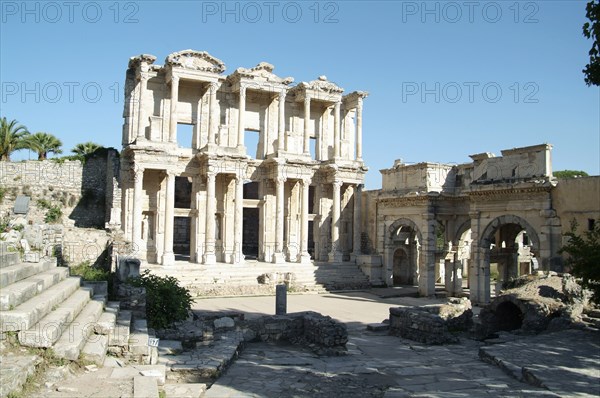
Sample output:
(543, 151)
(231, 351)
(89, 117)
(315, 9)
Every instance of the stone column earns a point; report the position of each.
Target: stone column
(209, 249)
(335, 255)
(306, 125)
(336, 130)
(356, 222)
(278, 257)
(427, 257)
(237, 256)
(242, 112)
(281, 129)
(304, 256)
(136, 216)
(359, 129)
(195, 243)
(168, 257)
(213, 118)
(141, 122)
(174, 100)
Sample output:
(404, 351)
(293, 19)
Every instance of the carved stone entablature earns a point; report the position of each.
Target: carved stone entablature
(351, 100)
(261, 73)
(320, 89)
(509, 193)
(195, 60)
(407, 201)
(135, 62)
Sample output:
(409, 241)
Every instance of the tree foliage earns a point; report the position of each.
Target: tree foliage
(86, 148)
(570, 174)
(43, 143)
(166, 301)
(12, 137)
(591, 30)
(584, 257)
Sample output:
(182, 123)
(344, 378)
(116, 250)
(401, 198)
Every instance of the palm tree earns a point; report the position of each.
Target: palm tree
(86, 148)
(12, 137)
(42, 143)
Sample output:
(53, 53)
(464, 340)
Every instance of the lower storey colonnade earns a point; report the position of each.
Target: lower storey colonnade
(222, 217)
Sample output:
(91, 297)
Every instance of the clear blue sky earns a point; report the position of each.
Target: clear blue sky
(446, 79)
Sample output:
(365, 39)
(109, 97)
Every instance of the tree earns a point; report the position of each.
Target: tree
(584, 257)
(43, 143)
(86, 148)
(570, 174)
(12, 137)
(591, 30)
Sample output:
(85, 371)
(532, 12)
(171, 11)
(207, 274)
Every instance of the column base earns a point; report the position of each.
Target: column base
(236, 258)
(168, 259)
(209, 259)
(304, 258)
(354, 257)
(336, 257)
(278, 258)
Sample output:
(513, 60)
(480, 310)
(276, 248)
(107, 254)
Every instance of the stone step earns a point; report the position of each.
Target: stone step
(9, 258)
(20, 271)
(95, 348)
(106, 323)
(50, 328)
(156, 372)
(78, 332)
(119, 337)
(14, 371)
(29, 313)
(138, 341)
(145, 387)
(19, 292)
(184, 390)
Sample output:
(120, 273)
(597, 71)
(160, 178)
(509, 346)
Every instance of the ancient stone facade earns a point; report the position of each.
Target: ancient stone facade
(496, 217)
(217, 168)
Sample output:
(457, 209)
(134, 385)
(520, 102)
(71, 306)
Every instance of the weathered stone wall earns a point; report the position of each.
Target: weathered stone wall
(80, 189)
(434, 324)
(577, 199)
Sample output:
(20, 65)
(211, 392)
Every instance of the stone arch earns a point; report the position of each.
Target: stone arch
(492, 227)
(464, 227)
(403, 222)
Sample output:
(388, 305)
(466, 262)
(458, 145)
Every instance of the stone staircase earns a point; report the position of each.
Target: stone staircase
(44, 307)
(245, 278)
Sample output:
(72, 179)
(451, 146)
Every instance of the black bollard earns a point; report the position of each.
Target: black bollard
(280, 300)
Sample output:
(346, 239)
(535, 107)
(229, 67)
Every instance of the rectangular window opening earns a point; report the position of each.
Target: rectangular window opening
(251, 140)
(313, 147)
(185, 135)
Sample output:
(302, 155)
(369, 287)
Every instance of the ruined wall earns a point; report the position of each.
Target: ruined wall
(577, 199)
(79, 189)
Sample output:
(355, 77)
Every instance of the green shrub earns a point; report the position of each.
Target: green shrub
(89, 273)
(44, 204)
(2, 194)
(166, 301)
(53, 215)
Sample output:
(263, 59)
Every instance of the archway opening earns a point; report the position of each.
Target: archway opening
(509, 316)
(405, 259)
(511, 253)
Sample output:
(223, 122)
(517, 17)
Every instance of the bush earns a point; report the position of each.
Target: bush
(53, 215)
(2, 194)
(166, 301)
(93, 274)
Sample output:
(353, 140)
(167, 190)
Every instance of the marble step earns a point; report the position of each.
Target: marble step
(119, 336)
(26, 315)
(145, 387)
(50, 328)
(95, 348)
(19, 292)
(78, 332)
(9, 258)
(20, 271)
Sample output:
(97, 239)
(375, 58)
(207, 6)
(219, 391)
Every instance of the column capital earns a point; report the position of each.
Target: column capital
(280, 179)
(243, 88)
(210, 174)
(337, 183)
(305, 181)
(306, 99)
(174, 79)
(282, 94)
(213, 87)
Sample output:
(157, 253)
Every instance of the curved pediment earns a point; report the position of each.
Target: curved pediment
(262, 72)
(195, 60)
(323, 85)
(134, 62)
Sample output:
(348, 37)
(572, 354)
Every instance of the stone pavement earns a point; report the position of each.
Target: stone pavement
(377, 365)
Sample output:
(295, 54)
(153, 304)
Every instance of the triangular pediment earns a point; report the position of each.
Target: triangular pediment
(195, 60)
